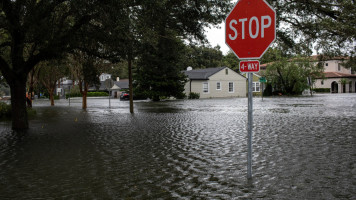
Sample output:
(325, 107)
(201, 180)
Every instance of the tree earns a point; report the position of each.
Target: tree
(49, 72)
(34, 31)
(200, 57)
(85, 70)
(230, 60)
(158, 72)
(290, 76)
(166, 24)
(329, 24)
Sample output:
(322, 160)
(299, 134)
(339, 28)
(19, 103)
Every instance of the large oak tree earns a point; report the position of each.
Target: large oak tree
(32, 31)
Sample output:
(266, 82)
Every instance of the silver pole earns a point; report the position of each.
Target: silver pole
(109, 98)
(69, 96)
(249, 127)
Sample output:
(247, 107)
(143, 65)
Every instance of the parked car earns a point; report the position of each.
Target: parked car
(125, 96)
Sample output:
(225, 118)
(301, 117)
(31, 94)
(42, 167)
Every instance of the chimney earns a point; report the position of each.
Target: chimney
(117, 79)
(189, 68)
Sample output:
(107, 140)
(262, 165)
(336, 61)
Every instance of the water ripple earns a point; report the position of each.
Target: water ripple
(304, 148)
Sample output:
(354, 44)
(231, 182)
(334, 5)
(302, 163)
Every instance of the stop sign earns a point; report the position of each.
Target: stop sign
(250, 28)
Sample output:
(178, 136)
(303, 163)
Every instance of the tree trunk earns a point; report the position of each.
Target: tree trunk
(84, 93)
(84, 104)
(51, 97)
(18, 104)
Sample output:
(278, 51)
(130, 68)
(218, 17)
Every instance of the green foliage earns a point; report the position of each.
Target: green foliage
(200, 57)
(322, 90)
(351, 63)
(164, 27)
(158, 72)
(231, 61)
(289, 76)
(272, 55)
(5, 110)
(344, 81)
(194, 95)
(90, 94)
(268, 90)
(119, 70)
(329, 24)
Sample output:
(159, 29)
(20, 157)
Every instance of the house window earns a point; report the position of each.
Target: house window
(255, 86)
(231, 87)
(322, 82)
(326, 64)
(339, 67)
(226, 71)
(205, 88)
(218, 86)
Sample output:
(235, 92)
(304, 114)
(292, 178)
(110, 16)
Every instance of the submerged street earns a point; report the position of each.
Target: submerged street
(303, 148)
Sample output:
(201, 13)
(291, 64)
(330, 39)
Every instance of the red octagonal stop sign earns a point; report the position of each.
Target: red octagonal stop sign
(250, 28)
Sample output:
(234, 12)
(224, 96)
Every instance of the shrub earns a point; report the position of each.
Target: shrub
(322, 90)
(97, 94)
(5, 110)
(194, 95)
(90, 94)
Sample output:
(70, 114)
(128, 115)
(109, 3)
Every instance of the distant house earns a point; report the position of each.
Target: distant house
(119, 86)
(215, 82)
(64, 86)
(104, 76)
(335, 75)
(256, 85)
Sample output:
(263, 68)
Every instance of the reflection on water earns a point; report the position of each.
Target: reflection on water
(304, 148)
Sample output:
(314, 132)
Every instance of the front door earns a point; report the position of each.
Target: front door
(334, 87)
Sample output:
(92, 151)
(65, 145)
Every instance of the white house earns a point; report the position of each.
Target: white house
(334, 73)
(104, 76)
(215, 82)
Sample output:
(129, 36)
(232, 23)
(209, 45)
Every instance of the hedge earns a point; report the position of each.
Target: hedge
(194, 95)
(5, 110)
(322, 90)
(90, 94)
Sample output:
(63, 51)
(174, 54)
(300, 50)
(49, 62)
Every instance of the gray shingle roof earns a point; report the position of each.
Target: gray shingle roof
(202, 74)
(123, 83)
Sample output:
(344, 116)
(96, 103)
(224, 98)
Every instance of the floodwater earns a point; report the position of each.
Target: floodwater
(303, 148)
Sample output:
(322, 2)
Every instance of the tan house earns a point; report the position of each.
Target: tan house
(215, 82)
(336, 77)
(257, 86)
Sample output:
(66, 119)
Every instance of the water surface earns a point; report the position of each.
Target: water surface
(303, 148)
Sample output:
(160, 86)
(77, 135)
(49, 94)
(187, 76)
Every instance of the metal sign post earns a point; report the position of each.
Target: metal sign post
(109, 83)
(249, 126)
(250, 29)
(109, 98)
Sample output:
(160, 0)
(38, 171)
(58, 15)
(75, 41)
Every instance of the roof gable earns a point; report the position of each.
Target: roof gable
(202, 74)
(338, 75)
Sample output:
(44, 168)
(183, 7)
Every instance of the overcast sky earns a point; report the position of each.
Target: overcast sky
(217, 37)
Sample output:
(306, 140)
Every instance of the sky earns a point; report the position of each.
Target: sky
(216, 36)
